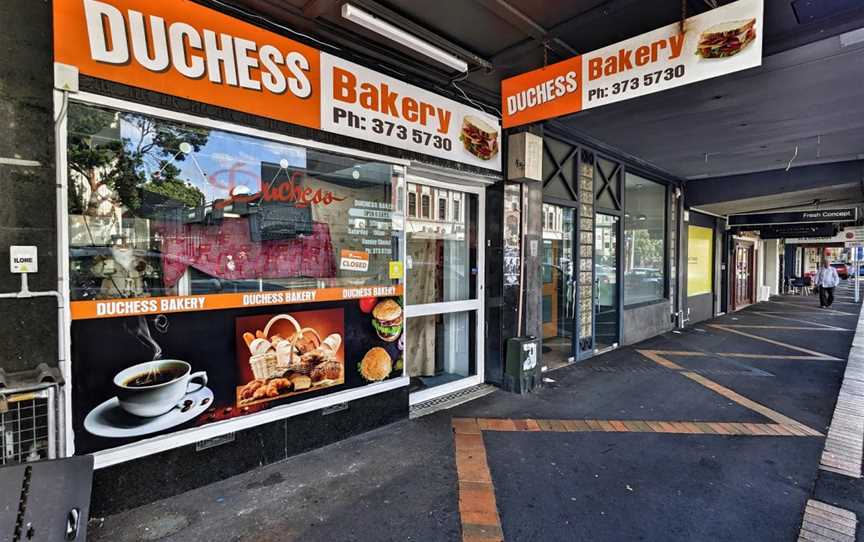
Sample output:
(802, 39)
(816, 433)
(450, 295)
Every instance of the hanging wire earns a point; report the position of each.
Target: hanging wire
(273, 23)
(683, 14)
(462, 92)
(794, 156)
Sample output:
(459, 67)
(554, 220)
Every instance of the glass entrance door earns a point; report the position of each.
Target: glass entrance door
(559, 286)
(444, 287)
(606, 281)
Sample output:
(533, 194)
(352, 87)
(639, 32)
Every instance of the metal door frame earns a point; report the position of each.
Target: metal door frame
(574, 239)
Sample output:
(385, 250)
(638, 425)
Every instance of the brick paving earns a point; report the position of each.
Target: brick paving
(844, 445)
(825, 523)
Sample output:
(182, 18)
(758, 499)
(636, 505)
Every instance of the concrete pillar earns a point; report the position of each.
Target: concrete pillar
(772, 265)
(28, 328)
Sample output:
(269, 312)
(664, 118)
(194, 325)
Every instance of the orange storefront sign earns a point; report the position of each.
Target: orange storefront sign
(142, 306)
(549, 92)
(723, 40)
(185, 49)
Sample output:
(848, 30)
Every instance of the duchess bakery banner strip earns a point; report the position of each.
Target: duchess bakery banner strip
(188, 50)
(142, 306)
(718, 42)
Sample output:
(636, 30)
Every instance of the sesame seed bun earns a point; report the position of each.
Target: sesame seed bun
(387, 310)
(376, 364)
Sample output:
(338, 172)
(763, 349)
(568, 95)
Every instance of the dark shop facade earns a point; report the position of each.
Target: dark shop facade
(250, 245)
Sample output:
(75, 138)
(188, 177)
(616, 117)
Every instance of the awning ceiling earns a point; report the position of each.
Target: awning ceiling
(807, 93)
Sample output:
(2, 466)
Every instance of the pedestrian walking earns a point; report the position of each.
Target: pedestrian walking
(826, 280)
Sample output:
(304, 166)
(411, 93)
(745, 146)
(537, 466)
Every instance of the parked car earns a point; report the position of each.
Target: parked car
(842, 270)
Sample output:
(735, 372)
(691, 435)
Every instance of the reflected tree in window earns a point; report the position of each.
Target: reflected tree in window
(110, 166)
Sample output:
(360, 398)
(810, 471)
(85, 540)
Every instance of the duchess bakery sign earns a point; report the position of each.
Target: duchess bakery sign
(191, 51)
(714, 43)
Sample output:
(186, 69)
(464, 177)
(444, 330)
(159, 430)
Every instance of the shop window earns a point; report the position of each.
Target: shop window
(412, 204)
(161, 208)
(644, 240)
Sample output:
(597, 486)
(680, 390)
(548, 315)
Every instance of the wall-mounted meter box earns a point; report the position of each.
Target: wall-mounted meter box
(524, 157)
(22, 259)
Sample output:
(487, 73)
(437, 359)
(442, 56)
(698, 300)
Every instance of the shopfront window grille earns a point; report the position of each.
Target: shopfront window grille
(27, 426)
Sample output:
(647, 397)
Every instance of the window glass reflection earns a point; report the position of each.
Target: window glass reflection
(644, 240)
(158, 207)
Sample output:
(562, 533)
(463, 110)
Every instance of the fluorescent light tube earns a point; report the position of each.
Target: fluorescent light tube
(394, 33)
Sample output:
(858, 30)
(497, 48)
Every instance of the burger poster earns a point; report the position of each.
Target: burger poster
(149, 375)
(723, 40)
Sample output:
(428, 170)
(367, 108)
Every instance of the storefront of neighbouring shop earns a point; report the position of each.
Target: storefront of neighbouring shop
(608, 258)
(615, 229)
(263, 241)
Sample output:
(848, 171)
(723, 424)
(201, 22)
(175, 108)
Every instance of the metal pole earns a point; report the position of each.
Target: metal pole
(857, 269)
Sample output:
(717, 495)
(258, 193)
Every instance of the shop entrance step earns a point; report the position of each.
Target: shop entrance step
(450, 400)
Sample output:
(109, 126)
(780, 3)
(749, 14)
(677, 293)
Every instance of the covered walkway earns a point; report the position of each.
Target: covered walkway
(714, 432)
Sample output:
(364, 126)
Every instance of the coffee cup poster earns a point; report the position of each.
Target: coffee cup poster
(142, 376)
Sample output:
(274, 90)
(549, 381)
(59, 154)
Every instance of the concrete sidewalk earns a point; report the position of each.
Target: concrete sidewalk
(713, 433)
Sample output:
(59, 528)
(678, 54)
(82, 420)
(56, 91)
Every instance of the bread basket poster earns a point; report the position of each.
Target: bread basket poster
(140, 377)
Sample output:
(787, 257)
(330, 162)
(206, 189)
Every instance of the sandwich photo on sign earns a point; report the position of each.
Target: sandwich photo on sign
(479, 138)
(726, 39)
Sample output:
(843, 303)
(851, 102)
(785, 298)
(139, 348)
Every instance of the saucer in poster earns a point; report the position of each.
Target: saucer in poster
(109, 420)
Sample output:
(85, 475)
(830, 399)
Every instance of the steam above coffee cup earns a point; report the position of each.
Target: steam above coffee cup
(153, 388)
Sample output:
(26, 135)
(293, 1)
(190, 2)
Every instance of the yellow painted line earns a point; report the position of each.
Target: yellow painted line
(814, 307)
(770, 314)
(677, 353)
(771, 414)
(773, 356)
(790, 328)
(787, 422)
(658, 359)
(777, 343)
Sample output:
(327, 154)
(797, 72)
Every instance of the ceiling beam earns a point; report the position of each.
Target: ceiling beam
(774, 182)
(586, 18)
(370, 53)
(316, 8)
(523, 22)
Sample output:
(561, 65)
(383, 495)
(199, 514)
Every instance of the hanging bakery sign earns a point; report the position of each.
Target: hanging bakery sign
(197, 53)
(718, 42)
